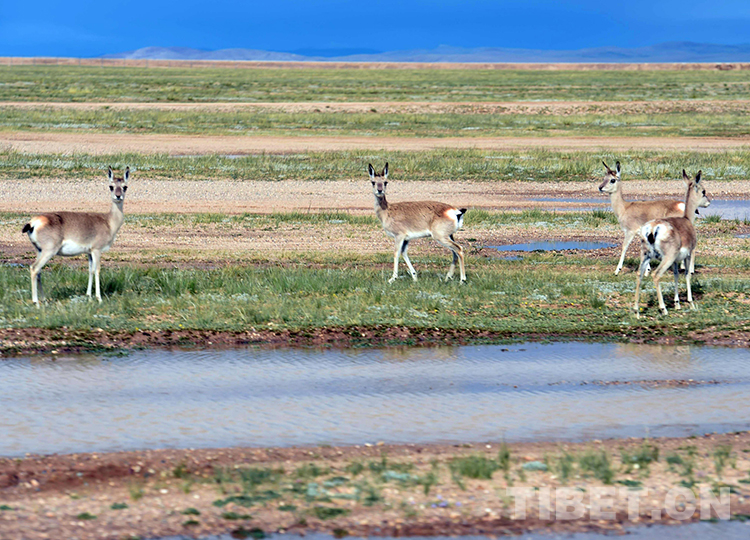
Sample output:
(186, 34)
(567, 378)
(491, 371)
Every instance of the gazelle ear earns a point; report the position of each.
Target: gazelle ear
(698, 177)
(617, 168)
(126, 175)
(385, 171)
(110, 175)
(371, 170)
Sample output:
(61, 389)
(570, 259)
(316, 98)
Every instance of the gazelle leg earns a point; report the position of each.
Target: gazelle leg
(404, 249)
(92, 266)
(397, 253)
(626, 243)
(458, 253)
(42, 258)
(692, 262)
(97, 257)
(645, 262)
(687, 281)
(658, 273)
(676, 270)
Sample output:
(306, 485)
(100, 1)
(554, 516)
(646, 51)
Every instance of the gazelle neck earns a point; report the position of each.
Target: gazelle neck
(116, 216)
(691, 203)
(380, 202)
(618, 203)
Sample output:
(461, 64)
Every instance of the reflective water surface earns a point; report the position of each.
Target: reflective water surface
(723, 530)
(251, 397)
(727, 209)
(553, 245)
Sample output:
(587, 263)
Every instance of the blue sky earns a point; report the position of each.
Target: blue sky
(55, 28)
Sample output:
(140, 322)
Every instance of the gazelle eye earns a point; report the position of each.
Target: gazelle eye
(612, 181)
(124, 189)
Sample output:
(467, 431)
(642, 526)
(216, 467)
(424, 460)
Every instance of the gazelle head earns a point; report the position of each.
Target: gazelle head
(118, 186)
(611, 179)
(699, 192)
(379, 181)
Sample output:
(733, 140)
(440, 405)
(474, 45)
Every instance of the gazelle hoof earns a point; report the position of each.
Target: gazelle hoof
(677, 306)
(663, 311)
(392, 279)
(692, 306)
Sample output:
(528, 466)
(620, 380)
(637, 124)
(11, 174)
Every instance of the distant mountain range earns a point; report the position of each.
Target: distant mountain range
(682, 51)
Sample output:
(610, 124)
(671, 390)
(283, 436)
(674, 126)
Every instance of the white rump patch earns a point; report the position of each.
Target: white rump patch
(681, 206)
(453, 214)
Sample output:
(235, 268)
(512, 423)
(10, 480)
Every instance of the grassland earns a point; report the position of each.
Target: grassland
(329, 285)
(73, 83)
(257, 123)
(543, 295)
(477, 165)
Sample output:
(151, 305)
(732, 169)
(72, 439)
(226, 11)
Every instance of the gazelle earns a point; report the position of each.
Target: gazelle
(671, 240)
(406, 221)
(74, 233)
(632, 215)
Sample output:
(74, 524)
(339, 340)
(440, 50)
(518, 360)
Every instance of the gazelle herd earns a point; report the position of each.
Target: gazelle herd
(665, 229)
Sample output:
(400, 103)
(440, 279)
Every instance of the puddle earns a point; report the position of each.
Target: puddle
(738, 209)
(553, 245)
(727, 209)
(722, 530)
(286, 397)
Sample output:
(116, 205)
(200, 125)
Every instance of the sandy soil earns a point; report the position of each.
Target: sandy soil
(110, 143)
(46, 496)
(257, 195)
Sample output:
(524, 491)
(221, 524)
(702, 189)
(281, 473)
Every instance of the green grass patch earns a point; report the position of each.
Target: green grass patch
(545, 293)
(140, 84)
(118, 506)
(435, 165)
(597, 464)
(476, 467)
(328, 512)
(233, 516)
(260, 122)
(85, 516)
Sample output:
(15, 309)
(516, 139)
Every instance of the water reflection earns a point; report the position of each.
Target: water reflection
(251, 397)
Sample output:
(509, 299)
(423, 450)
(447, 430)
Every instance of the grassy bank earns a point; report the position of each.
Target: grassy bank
(244, 122)
(533, 165)
(383, 490)
(542, 294)
(74, 83)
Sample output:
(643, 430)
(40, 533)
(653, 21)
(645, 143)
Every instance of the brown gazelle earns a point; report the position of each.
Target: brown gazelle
(406, 221)
(75, 233)
(671, 240)
(632, 215)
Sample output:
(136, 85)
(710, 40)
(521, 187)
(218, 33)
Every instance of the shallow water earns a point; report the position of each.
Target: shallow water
(553, 245)
(284, 397)
(723, 530)
(727, 209)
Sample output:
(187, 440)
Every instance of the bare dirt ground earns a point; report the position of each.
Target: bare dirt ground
(137, 241)
(557, 108)
(175, 492)
(111, 143)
